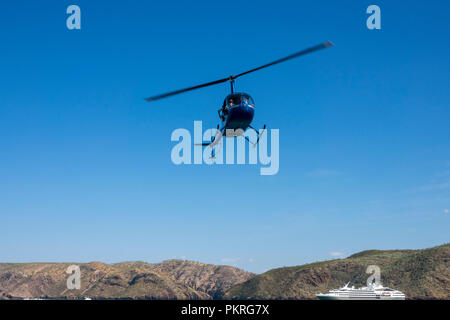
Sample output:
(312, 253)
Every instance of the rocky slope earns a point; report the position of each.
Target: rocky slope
(135, 280)
(212, 279)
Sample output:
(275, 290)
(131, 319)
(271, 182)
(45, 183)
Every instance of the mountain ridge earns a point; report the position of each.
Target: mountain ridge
(420, 274)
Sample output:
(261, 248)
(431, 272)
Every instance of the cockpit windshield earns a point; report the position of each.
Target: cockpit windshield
(239, 98)
(248, 100)
(233, 100)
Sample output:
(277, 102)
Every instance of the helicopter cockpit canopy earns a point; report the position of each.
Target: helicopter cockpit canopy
(238, 98)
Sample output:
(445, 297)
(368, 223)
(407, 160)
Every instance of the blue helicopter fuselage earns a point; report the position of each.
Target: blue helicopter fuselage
(239, 117)
(240, 112)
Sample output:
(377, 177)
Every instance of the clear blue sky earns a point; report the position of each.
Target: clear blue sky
(85, 169)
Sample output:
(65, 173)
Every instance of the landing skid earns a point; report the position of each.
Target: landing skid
(218, 138)
(214, 140)
(259, 136)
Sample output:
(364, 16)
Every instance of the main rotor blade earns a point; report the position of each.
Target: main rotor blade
(292, 56)
(231, 78)
(172, 93)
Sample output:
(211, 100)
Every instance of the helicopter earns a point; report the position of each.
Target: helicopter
(238, 108)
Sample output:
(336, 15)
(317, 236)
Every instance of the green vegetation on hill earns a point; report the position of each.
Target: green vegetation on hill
(420, 274)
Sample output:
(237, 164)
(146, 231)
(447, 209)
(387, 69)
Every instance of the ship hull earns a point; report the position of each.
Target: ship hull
(325, 297)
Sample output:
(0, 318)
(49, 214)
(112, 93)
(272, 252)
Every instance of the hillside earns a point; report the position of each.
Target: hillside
(420, 274)
(136, 280)
(212, 279)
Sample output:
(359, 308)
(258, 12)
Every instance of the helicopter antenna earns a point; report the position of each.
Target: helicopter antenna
(232, 78)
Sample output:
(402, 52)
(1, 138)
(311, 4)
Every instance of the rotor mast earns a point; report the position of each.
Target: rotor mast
(232, 84)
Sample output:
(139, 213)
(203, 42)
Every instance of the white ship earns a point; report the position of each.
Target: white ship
(373, 292)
